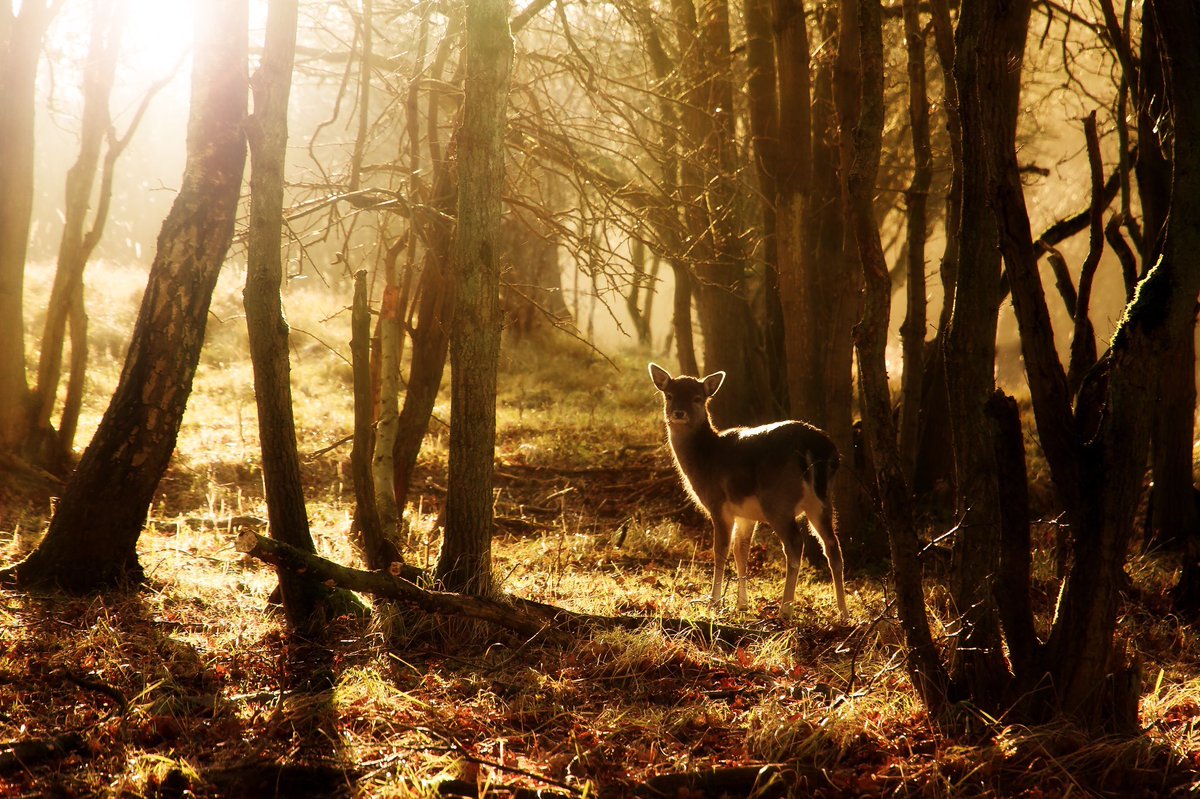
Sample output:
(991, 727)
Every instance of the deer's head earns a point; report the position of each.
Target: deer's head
(685, 399)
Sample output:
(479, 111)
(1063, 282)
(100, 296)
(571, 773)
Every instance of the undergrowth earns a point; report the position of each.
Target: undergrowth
(190, 686)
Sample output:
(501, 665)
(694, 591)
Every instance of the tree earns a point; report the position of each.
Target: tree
(21, 35)
(1097, 450)
(66, 311)
(924, 666)
(731, 332)
(990, 38)
(267, 134)
(92, 537)
(464, 563)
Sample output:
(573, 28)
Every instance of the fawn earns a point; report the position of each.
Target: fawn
(745, 475)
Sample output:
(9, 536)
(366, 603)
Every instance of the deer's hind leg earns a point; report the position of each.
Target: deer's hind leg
(792, 536)
(820, 518)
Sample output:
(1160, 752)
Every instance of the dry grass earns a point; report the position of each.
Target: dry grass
(188, 685)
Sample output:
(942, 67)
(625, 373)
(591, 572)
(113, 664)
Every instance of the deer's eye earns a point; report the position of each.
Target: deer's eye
(697, 400)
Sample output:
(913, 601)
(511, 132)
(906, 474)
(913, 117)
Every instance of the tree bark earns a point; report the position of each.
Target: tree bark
(20, 46)
(267, 134)
(464, 564)
(1175, 522)
(820, 288)
(934, 456)
(92, 537)
(429, 328)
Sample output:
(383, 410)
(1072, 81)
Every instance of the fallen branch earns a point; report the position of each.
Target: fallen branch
(22, 754)
(524, 616)
(764, 782)
(461, 789)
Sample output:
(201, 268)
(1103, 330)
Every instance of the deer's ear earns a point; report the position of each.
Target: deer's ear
(660, 376)
(712, 383)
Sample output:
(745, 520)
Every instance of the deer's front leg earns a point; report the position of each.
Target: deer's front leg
(743, 532)
(721, 533)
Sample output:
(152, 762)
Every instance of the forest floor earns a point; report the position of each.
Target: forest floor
(190, 686)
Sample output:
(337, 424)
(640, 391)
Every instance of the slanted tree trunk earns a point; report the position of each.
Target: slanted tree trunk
(465, 561)
(92, 537)
(429, 325)
(267, 327)
(20, 46)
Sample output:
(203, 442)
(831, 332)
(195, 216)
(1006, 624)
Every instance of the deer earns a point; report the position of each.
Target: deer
(745, 475)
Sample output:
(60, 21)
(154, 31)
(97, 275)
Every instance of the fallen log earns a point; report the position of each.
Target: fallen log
(524, 616)
(385, 584)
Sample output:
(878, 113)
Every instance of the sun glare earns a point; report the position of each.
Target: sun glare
(158, 34)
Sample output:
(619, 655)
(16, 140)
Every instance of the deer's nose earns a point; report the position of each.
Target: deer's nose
(679, 414)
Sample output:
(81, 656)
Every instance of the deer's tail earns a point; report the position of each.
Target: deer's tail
(823, 471)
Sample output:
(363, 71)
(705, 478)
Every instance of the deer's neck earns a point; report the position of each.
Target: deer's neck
(694, 446)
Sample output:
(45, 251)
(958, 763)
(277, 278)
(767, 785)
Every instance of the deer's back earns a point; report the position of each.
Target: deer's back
(744, 462)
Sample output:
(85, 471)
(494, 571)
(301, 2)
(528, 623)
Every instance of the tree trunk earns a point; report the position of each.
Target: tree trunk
(75, 246)
(1175, 24)
(820, 288)
(20, 46)
(1085, 664)
(934, 456)
(429, 327)
(990, 43)
(730, 330)
(378, 551)
(912, 331)
(464, 564)
(267, 134)
(764, 108)
(92, 537)
(1174, 522)
(924, 665)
